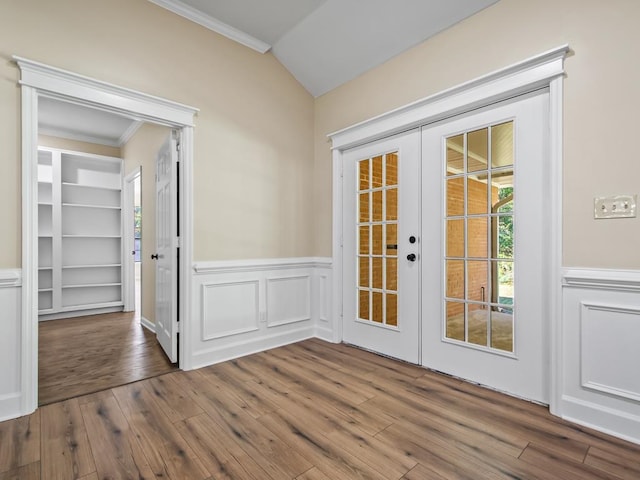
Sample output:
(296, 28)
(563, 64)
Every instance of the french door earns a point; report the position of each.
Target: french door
(381, 246)
(483, 201)
(443, 241)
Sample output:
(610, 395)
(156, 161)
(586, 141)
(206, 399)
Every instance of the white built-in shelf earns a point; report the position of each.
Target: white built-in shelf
(81, 205)
(92, 285)
(109, 265)
(74, 308)
(79, 225)
(97, 187)
(92, 236)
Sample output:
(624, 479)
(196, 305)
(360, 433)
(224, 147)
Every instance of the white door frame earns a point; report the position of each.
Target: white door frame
(38, 80)
(543, 70)
(128, 240)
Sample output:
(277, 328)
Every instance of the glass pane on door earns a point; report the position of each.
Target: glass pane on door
(377, 232)
(479, 219)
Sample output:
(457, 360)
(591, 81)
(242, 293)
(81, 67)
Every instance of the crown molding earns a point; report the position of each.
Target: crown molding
(129, 132)
(213, 24)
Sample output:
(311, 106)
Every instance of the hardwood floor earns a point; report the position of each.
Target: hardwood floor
(83, 355)
(309, 411)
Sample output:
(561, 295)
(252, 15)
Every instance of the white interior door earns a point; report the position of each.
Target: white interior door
(381, 246)
(166, 255)
(483, 202)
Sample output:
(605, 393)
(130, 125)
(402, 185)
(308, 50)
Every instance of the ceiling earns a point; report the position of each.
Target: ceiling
(325, 43)
(77, 122)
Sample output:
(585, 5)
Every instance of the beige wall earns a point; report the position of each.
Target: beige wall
(141, 151)
(254, 133)
(77, 146)
(601, 103)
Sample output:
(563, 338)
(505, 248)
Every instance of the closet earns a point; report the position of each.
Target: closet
(79, 234)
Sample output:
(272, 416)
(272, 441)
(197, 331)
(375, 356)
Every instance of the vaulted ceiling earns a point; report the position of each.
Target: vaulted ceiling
(325, 43)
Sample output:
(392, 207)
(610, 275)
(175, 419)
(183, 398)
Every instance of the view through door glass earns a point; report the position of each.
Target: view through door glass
(479, 255)
(378, 239)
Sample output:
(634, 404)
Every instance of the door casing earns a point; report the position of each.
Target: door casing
(539, 71)
(39, 80)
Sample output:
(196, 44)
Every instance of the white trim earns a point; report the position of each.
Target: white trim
(58, 83)
(79, 137)
(39, 79)
(584, 381)
(146, 323)
(619, 280)
(128, 240)
(213, 24)
(129, 132)
(10, 277)
(29, 320)
(531, 74)
(234, 266)
(619, 423)
(540, 71)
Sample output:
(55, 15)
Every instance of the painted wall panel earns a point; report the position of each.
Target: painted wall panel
(10, 355)
(229, 308)
(288, 300)
(610, 353)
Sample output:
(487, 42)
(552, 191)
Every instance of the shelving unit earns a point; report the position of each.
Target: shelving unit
(80, 233)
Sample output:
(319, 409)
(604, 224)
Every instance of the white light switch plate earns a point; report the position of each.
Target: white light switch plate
(615, 206)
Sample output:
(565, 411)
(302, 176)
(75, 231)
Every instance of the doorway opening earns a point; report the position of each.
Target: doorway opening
(38, 82)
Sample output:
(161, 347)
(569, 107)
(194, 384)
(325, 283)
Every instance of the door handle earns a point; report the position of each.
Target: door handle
(154, 256)
(411, 257)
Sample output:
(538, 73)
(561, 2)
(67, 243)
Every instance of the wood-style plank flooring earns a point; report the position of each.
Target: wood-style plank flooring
(82, 355)
(309, 411)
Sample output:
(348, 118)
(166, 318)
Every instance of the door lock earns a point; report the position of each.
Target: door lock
(411, 257)
(412, 239)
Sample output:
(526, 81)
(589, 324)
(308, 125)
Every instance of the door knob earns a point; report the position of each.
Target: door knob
(411, 257)
(154, 256)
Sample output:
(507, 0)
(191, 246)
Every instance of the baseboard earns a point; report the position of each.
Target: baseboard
(78, 313)
(603, 419)
(242, 348)
(146, 323)
(10, 406)
(325, 334)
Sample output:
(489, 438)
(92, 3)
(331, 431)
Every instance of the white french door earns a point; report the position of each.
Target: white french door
(166, 255)
(443, 245)
(483, 201)
(381, 246)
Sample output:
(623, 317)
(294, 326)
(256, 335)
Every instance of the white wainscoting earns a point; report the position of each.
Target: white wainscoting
(601, 349)
(10, 355)
(247, 306)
